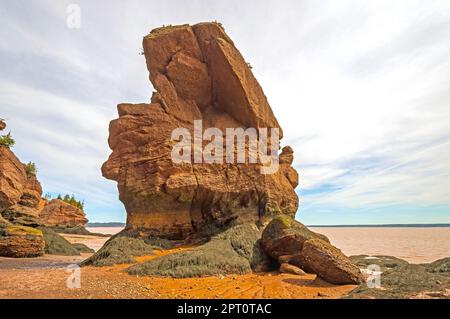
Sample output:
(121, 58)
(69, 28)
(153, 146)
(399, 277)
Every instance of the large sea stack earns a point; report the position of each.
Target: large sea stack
(198, 74)
(245, 216)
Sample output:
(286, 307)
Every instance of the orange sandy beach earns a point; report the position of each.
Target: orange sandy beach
(46, 277)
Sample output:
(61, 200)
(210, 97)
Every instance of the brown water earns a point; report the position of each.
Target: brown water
(415, 245)
(105, 230)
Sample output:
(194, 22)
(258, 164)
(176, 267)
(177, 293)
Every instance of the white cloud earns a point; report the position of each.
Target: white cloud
(359, 87)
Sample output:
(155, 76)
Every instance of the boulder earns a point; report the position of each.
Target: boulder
(60, 214)
(291, 269)
(330, 264)
(407, 281)
(296, 260)
(198, 74)
(286, 236)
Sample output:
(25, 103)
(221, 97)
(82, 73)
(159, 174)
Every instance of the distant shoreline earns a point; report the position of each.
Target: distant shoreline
(112, 224)
(386, 225)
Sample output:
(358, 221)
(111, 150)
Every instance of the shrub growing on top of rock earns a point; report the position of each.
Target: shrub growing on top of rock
(7, 140)
(72, 201)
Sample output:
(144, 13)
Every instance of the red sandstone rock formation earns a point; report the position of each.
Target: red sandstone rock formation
(62, 215)
(20, 207)
(198, 74)
(19, 197)
(12, 178)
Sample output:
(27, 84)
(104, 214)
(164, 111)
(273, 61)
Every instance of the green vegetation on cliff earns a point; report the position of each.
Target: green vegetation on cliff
(7, 140)
(31, 169)
(69, 199)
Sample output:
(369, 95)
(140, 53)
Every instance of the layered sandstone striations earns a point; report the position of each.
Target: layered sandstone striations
(19, 198)
(198, 74)
(21, 224)
(59, 214)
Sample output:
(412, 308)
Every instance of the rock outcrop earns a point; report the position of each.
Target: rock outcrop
(21, 241)
(21, 232)
(58, 214)
(198, 74)
(13, 178)
(19, 195)
(26, 211)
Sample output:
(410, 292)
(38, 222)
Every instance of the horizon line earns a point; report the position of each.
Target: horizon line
(386, 225)
(343, 225)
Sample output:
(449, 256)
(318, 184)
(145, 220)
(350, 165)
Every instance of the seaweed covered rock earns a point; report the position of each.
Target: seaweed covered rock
(384, 262)
(286, 236)
(55, 244)
(440, 266)
(21, 241)
(119, 249)
(406, 282)
(234, 251)
(198, 74)
(82, 248)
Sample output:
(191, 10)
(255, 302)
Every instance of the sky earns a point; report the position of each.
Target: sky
(361, 89)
